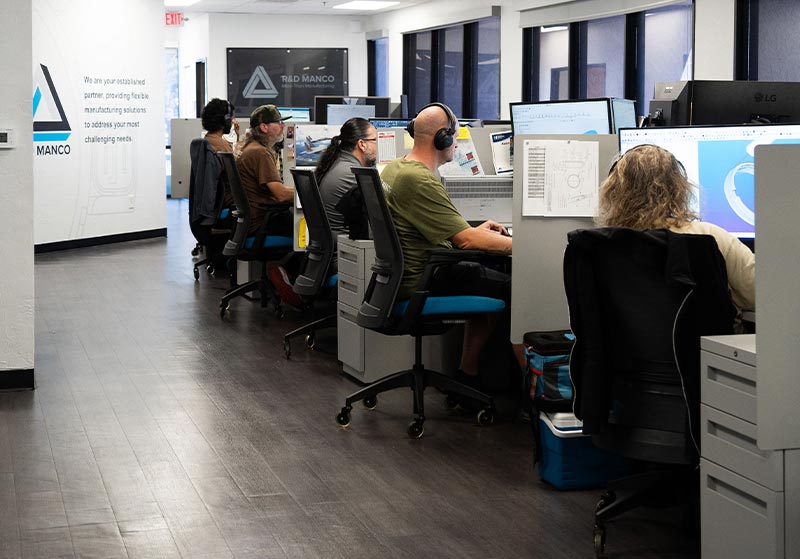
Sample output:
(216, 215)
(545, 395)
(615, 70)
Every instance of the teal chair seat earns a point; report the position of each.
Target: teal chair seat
(453, 305)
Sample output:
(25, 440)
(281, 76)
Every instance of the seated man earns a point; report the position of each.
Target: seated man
(217, 119)
(425, 219)
(258, 168)
(354, 146)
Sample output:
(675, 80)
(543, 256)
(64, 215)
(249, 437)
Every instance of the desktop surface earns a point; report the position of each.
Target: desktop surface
(719, 160)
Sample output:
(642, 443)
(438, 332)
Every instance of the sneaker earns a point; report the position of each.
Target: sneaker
(283, 285)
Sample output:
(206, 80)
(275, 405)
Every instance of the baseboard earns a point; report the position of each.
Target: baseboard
(95, 241)
(17, 379)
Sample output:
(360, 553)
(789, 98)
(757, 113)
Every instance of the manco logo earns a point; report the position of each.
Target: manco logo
(49, 130)
(267, 89)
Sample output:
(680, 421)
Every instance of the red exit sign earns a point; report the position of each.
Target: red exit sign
(174, 18)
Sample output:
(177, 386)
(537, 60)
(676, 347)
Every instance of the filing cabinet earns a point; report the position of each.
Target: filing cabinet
(367, 355)
(749, 497)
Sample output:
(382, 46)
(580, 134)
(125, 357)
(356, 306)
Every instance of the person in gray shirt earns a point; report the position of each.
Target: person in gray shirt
(355, 146)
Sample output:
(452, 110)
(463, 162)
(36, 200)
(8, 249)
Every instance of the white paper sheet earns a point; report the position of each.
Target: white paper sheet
(387, 150)
(560, 178)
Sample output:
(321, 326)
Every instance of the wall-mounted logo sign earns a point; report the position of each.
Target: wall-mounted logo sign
(46, 106)
(260, 86)
(284, 77)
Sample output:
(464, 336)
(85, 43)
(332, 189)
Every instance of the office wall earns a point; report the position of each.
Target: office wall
(255, 30)
(102, 172)
(714, 37)
(192, 48)
(16, 194)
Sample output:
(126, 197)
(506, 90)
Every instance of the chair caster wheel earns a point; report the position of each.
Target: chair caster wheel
(310, 341)
(371, 402)
(287, 349)
(196, 274)
(451, 402)
(343, 417)
(223, 309)
(485, 417)
(279, 312)
(605, 499)
(599, 541)
(415, 429)
(211, 270)
(195, 251)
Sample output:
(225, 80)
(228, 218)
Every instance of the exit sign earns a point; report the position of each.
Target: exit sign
(174, 18)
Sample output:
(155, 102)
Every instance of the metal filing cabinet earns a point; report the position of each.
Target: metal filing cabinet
(367, 355)
(749, 496)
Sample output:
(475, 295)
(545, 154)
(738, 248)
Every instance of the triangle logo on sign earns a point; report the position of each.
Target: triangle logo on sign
(260, 86)
(45, 129)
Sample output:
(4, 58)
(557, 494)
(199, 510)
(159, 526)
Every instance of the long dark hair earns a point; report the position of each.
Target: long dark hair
(351, 132)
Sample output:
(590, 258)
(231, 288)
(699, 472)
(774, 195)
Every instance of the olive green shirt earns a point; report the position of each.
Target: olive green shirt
(423, 216)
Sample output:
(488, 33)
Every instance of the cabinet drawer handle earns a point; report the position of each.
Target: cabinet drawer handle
(736, 495)
(735, 438)
(732, 381)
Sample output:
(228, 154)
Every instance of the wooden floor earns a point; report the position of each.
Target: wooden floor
(158, 430)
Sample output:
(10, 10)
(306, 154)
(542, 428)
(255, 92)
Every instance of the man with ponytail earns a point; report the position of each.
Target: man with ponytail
(354, 146)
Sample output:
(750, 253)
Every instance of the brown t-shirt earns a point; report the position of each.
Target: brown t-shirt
(258, 167)
(221, 145)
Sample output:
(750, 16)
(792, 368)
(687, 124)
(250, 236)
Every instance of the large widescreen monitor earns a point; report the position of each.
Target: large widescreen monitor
(738, 102)
(720, 161)
(588, 116)
(348, 107)
(298, 114)
(390, 122)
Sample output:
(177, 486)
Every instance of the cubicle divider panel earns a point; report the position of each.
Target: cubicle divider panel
(182, 132)
(538, 300)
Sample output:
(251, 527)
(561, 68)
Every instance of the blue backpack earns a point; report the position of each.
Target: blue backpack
(547, 358)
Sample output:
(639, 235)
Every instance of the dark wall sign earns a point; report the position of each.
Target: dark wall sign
(284, 77)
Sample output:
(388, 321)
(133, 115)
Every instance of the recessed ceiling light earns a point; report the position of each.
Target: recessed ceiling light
(365, 5)
(179, 3)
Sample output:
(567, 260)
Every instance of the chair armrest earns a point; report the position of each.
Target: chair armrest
(450, 255)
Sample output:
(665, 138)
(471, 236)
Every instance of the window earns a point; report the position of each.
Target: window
(619, 56)
(378, 67)
(770, 41)
(457, 65)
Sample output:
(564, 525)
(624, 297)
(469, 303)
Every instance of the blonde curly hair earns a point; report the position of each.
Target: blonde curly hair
(646, 188)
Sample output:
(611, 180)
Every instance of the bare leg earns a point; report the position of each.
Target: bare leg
(476, 333)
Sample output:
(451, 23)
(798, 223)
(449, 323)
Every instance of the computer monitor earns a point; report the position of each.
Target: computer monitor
(470, 122)
(588, 116)
(738, 102)
(720, 161)
(623, 113)
(349, 105)
(670, 104)
(298, 114)
(390, 122)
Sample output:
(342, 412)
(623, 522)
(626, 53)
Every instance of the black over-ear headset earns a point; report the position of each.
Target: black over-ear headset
(675, 160)
(444, 137)
(228, 116)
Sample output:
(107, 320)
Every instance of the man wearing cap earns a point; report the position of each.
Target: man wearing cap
(261, 179)
(258, 169)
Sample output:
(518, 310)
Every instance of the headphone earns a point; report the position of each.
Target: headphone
(674, 160)
(444, 137)
(228, 118)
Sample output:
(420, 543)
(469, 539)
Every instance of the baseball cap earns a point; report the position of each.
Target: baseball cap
(266, 114)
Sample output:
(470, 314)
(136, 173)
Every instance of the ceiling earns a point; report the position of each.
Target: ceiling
(288, 7)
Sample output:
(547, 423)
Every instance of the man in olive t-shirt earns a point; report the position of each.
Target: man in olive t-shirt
(425, 219)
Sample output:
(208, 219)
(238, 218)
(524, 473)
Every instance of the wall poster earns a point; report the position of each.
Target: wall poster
(286, 77)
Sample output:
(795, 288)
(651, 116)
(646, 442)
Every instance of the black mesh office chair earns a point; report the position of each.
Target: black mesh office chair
(314, 279)
(638, 303)
(418, 316)
(260, 247)
(209, 221)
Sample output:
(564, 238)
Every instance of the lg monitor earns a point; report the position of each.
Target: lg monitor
(589, 116)
(348, 107)
(738, 102)
(719, 160)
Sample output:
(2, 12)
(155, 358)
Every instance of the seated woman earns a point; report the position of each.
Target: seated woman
(647, 188)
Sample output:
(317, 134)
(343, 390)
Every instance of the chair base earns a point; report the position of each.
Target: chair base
(309, 330)
(262, 285)
(418, 379)
(659, 488)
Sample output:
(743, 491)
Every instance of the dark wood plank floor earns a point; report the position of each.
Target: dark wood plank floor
(159, 430)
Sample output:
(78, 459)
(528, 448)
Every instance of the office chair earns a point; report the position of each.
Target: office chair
(418, 316)
(260, 247)
(638, 303)
(209, 221)
(314, 279)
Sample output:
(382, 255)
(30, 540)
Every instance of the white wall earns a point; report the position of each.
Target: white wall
(107, 177)
(16, 194)
(192, 48)
(714, 37)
